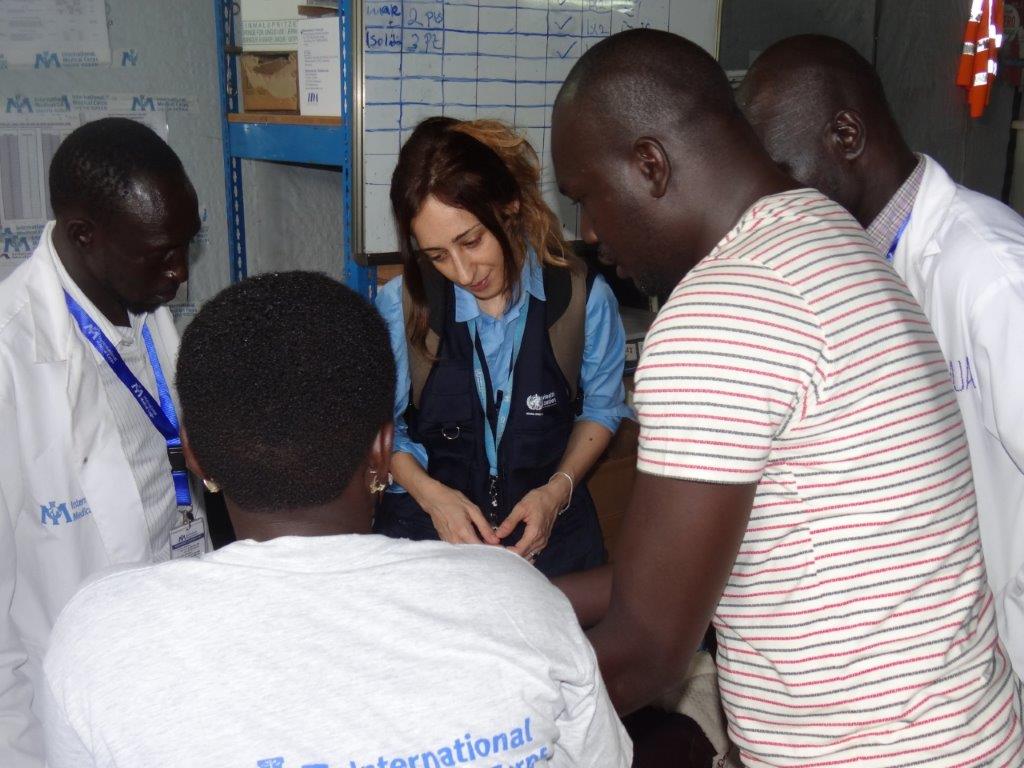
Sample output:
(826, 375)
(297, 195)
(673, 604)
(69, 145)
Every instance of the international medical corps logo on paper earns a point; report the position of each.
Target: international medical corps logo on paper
(47, 59)
(54, 513)
(18, 104)
(15, 244)
(143, 103)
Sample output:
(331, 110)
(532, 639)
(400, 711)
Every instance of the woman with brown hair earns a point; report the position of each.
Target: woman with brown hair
(509, 354)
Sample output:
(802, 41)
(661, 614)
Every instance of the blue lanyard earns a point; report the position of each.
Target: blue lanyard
(492, 437)
(163, 414)
(896, 240)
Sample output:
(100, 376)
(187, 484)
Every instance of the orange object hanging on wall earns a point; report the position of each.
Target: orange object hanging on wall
(978, 61)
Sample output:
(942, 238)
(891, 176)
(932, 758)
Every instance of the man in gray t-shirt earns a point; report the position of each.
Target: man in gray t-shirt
(310, 642)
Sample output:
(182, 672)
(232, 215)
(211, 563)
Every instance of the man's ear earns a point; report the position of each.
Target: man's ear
(80, 232)
(655, 168)
(379, 457)
(190, 457)
(847, 134)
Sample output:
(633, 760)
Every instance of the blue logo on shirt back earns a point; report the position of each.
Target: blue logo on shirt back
(502, 747)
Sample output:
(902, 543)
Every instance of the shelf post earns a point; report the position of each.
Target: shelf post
(361, 279)
(224, 23)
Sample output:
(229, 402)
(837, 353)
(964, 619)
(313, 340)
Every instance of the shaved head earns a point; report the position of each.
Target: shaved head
(644, 130)
(820, 109)
(817, 72)
(645, 78)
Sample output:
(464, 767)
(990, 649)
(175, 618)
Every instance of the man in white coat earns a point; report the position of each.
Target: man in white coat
(820, 110)
(92, 474)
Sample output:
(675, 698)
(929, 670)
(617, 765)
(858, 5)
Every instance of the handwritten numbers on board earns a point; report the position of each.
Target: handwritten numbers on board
(501, 59)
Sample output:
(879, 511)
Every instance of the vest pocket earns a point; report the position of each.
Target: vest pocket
(447, 409)
(541, 445)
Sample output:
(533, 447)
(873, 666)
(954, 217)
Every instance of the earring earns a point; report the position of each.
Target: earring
(379, 486)
(211, 485)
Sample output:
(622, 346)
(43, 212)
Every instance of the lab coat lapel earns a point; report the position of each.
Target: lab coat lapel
(914, 257)
(96, 452)
(104, 472)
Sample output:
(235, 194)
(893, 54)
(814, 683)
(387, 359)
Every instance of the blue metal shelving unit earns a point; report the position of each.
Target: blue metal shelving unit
(328, 145)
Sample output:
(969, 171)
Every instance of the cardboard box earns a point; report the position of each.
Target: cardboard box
(319, 67)
(270, 82)
(269, 25)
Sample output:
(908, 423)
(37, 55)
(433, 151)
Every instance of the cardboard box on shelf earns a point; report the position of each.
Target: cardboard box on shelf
(269, 25)
(319, 67)
(313, 10)
(270, 82)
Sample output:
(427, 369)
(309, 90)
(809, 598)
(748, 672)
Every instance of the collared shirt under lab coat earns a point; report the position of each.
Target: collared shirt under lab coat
(962, 256)
(69, 503)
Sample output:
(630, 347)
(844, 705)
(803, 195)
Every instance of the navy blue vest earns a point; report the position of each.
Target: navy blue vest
(449, 423)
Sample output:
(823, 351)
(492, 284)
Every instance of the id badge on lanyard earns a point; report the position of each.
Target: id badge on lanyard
(492, 437)
(188, 538)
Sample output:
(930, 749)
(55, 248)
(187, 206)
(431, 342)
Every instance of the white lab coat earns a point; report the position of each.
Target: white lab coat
(60, 445)
(962, 256)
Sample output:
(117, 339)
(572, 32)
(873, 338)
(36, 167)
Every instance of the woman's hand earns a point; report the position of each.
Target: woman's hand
(456, 518)
(538, 509)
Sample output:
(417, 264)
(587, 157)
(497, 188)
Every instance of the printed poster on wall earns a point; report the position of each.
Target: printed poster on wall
(52, 34)
(28, 142)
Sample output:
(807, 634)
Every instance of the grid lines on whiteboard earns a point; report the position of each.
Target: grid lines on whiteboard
(503, 59)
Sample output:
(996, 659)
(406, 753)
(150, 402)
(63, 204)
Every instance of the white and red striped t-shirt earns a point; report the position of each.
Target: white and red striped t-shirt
(856, 626)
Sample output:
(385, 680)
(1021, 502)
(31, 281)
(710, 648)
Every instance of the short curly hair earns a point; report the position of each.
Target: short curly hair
(94, 167)
(285, 379)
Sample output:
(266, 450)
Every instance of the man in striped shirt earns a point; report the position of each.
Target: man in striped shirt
(820, 109)
(804, 476)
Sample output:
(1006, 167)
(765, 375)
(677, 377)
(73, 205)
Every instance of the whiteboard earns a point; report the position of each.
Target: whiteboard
(467, 59)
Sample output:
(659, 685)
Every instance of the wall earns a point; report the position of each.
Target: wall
(293, 218)
(749, 26)
(175, 55)
(293, 213)
(916, 52)
(917, 57)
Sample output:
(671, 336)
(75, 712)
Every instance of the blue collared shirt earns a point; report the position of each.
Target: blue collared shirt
(604, 349)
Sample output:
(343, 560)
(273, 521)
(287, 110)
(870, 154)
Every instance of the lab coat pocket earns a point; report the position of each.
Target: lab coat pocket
(53, 495)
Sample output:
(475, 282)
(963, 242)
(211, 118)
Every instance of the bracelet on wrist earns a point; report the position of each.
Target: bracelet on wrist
(572, 488)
